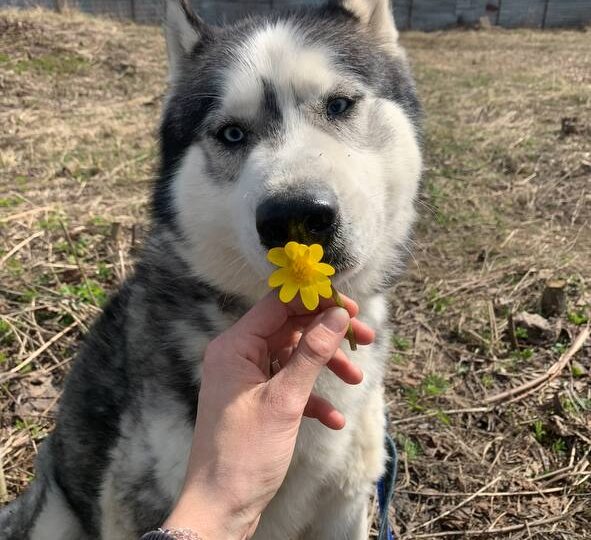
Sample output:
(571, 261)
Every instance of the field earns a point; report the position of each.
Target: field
(506, 209)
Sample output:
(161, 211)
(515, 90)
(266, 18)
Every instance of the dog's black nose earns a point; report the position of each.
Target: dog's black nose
(305, 217)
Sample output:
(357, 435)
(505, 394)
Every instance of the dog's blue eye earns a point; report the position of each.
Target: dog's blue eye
(232, 135)
(337, 106)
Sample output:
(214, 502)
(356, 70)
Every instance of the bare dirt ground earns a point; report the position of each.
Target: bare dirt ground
(506, 208)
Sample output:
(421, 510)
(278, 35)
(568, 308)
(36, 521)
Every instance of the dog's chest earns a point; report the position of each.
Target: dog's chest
(150, 459)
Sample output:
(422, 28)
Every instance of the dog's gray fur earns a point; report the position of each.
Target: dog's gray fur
(115, 462)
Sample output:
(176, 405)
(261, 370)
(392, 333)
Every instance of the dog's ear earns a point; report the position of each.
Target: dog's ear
(183, 31)
(377, 15)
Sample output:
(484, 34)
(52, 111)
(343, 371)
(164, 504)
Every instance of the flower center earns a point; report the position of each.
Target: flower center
(302, 269)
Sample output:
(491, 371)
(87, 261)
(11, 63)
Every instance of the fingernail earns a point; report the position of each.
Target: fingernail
(336, 319)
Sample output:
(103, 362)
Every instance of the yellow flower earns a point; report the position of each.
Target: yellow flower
(300, 270)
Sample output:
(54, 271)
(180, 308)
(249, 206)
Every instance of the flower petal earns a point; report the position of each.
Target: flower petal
(279, 277)
(292, 250)
(278, 257)
(324, 268)
(324, 288)
(309, 296)
(316, 253)
(288, 291)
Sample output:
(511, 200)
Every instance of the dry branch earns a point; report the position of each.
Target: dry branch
(490, 532)
(40, 350)
(459, 505)
(19, 246)
(551, 374)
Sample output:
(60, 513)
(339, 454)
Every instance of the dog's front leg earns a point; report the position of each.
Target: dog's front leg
(343, 510)
(341, 519)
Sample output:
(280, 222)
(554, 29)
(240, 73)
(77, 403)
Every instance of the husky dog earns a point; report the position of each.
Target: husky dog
(307, 118)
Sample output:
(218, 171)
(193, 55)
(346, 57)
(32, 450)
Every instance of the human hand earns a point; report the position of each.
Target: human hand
(248, 420)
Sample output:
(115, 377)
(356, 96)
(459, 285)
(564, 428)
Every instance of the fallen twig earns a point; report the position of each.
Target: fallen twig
(490, 532)
(20, 245)
(40, 350)
(484, 493)
(459, 505)
(431, 414)
(551, 374)
(23, 214)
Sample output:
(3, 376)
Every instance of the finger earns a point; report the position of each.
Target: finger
(264, 318)
(344, 369)
(270, 314)
(315, 349)
(297, 307)
(339, 364)
(289, 334)
(322, 410)
(364, 335)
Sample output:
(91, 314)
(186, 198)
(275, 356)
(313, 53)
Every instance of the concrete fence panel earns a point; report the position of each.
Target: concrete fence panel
(568, 13)
(414, 14)
(516, 13)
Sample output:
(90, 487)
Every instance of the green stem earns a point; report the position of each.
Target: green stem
(350, 335)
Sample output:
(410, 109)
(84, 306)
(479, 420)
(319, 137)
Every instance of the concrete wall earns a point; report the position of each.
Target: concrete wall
(409, 14)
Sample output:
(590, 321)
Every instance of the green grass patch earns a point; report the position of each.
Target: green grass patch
(436, 302)
(104, 272)
(539, 431)
(434, 385)
(521, 333)
(65, 319)
(579, 317)
(14, 267)
(559, 446)
(443, 418)
(35, 430)
(401, 343)
(28, 296)
(413, 399)
(85, 292)
(5, 332)
(575, 406)
(559, 347)
(78, 247)
(398, 359)
(411, 448)
(53, 64)
(522, 354)
(52, 222)
(488, 381)
(577, 371)
(9, 202)
(26, 369)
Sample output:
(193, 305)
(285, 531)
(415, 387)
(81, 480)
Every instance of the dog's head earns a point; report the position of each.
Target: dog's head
(296, 127)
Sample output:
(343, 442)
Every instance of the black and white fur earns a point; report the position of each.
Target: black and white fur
(114, 464)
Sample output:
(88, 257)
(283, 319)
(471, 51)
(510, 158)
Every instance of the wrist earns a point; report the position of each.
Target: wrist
(210, 521)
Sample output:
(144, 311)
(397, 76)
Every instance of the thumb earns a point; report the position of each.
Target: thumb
(317, 346)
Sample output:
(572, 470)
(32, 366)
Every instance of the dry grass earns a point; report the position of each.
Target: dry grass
(507, 205)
